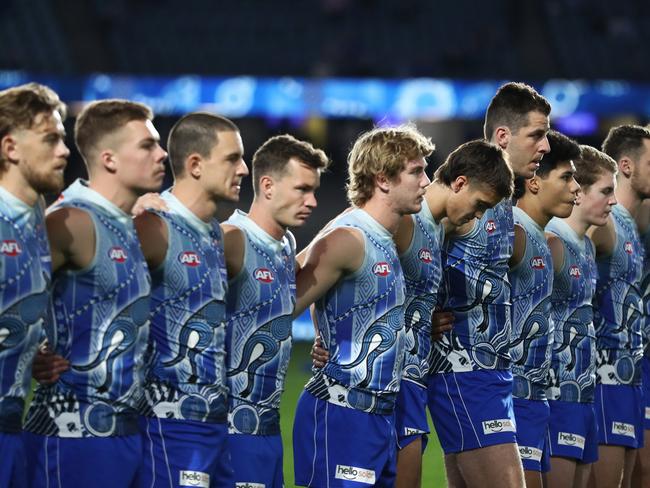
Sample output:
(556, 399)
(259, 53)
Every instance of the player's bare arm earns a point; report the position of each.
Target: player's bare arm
(72, 238)
(330, 257)
(233, 248)
(153, 235)
(557, 250)
(519, 248)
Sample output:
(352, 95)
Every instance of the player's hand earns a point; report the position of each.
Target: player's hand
(47, 366)
(147, 201)
(319, 355)
(441, 322)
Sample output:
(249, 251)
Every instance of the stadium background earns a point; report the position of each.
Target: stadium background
(326, 70)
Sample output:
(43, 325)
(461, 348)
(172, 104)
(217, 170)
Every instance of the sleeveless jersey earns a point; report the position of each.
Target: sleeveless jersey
(618, 309)
(260, 305)
(531, 340)
(361, 323)
(25, 266)
(645, 290)
(422, 267)
(99, 321)
(573, 364)
(478, 294)
(186, 377)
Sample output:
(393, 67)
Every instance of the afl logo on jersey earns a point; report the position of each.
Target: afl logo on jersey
(189, 258)
(537, 262)
(117, 254)
(424, 255)
(490, 226)
(574, 271)
(263, 275)
(10, 248)
(628, 247)
(381, 269)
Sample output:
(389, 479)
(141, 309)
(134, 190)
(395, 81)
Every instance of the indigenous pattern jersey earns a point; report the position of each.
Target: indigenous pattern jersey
(478, 293)
(573, 364)
(645, 290)
(422, 268)
(260, 305)
(532, 328)
(361, 323)
(186, 376)
(24, 279)
(99, 321)
(618, 306)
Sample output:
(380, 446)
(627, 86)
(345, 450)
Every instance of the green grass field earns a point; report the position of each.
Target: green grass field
(433, 470)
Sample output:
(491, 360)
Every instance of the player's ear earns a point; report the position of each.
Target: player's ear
(266, 186)
(502, 136)
(8, 148)
(382, 182)
(194, 165)
(532, 185)
(459, 183)
(108, 160)
(626, 166)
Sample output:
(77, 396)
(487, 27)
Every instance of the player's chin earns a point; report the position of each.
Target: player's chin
(565, 210)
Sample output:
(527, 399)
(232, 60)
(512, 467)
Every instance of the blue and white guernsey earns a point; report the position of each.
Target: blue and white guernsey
(186, 373)
(99, 321)
(361, 322)
(422, 267)
(645, 290)
(618, 307)
(478, 294)
(532, 327)
(24, 279)
(260, 305)
(573, 364)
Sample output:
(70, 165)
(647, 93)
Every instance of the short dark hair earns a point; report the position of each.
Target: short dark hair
(625, 140)
(197, 132)
(21, 105)
(591, 165)
(510, 108)
(272, 157)
(102, 118)
(482, 163)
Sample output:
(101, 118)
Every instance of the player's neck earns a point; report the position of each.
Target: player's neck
(577, 223)
(195, 199)
(263, 216)
(15, 184)
(437, 196)
(534, 211)
(381, 210)
(111, 190)
(628, 198)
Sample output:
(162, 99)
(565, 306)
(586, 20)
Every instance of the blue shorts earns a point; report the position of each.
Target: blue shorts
(411, 414)
(13, 469)
(472, 410)
(257, 460)
(619, 413)
(337, 446)
(100, 462)
(183, 450)
(572, 431)
(532, 417)
(645, 369)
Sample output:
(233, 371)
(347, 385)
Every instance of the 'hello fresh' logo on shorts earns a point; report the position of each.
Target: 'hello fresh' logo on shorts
(569, 439)
(530, 453)
(498, 425)
(351, 473)
(194, 478)
(248, 484)
(619, 428)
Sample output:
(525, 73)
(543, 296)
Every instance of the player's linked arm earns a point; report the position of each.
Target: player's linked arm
(153, 235)
(556, 246)
(327, 259)
(233, 248)
(519, 247)
(72, 238)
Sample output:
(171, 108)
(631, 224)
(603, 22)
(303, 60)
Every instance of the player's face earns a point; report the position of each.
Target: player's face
(139, 158)
(470, 202)
(527, 146)
(224, 170)
(640, 179)
(293, 195)
(558, 190)
(407, 190)
(41, 153)
(597, 200)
